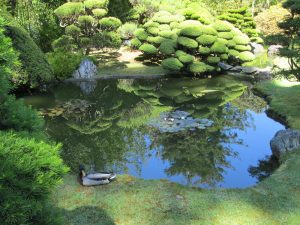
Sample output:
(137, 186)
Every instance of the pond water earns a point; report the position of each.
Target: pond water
(206, 132)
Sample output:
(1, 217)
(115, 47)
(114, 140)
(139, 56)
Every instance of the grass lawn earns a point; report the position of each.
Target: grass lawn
(284, 99)
(135, 201)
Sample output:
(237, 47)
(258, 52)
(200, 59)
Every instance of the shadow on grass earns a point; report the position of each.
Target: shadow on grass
(87, 215)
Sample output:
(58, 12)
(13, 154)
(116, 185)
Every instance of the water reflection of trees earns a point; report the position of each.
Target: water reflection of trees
(112, 134)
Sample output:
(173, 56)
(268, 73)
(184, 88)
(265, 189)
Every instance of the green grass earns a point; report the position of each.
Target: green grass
(284, 99)
(135, 201)
(261, 61)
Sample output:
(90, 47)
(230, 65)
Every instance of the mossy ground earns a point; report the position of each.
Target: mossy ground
(284, 99)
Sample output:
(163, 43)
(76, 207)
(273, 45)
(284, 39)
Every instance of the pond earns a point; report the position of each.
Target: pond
(196, 132)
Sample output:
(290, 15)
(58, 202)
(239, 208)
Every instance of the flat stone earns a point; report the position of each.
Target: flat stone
(237, 69)
(285, 141)
(249, 69)
(224, 66)
(257, 49)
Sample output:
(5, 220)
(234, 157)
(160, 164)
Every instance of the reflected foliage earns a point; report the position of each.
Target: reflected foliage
(114, 131)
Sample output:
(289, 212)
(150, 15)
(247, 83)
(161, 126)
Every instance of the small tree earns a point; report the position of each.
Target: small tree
(86, 25)
(291, 27)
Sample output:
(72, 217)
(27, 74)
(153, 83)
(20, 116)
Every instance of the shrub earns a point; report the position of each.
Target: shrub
(167, 47)
(206, 39)
(191, 31)
(213, 59)
(14, 114)
(200, 67)
(99, 12)
(233, 52)
(73, 31)
(135, 43)
(246, 56)
(156, 40)
(30, 170)
(148, 49)
(33, 60)
(241, 40)
(242, 48)
(168, 34)
(219, 47)
(231, 44)
(153, 30)
(92, 4)
(151, 23)
(184, 57)
(187, 42)
(204, 50)
(127, 30)
(110, 23)
(141, 34)
(208, 30)
(226, 35)
(163, 27)
(64, 63)
(172, 64)
(70, 8)
(65, 42)
(224, 57)
(222, 26)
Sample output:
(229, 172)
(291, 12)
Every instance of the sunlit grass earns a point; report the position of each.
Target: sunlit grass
(284, 98)
(135, 201)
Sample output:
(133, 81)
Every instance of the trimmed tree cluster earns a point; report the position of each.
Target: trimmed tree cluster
(87, 26)
(195, 43)
(242, 19)
(158, 37)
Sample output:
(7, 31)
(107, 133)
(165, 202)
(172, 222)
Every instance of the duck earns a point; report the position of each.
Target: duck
(95, 178)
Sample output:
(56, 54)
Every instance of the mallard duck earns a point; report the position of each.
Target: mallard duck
(94, 179)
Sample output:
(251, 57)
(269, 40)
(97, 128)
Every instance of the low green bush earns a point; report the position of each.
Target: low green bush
(226, 35)
(167, 47)
(242, 48)
(127, 30)
(172, 64)
(184, 57)
(219, 47)
(241, 40)
(213, 59)
(200, 67)
(222, 26)
(191, 31)
(30, 170)
(141, 34)
(99, 12)
(148, 49)
(204, 50)
(64, 63)
(110, 23)
(153, 30)
(168, 34)
(206, 39)
(70, 8)
(187, 42)
(156, 40)
(135, 43)
(233, 52)
(246, 56)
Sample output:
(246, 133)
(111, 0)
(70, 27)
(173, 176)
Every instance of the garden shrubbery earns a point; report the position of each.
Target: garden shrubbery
(194, 42)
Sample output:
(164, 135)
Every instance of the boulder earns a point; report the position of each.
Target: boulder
(224, 66)
(274, 50)
(285, 141)
(87, 70)
(257, 49)
(249, 69)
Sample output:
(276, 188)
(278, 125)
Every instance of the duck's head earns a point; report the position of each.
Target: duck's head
(81, 171)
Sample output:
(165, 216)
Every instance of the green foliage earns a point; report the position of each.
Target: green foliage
(65, 42)
(153, 30)
(94, 4)
(204, 50)
(226, 35)
(167, 47)
(64, 63)
(141, 34)
(187, 42)
(191, 31)
(206, 39)
(148, 49)
(14, 114)
(219, 47)
(184, 57)
(246, 56)
(30, 170)
(110, 23)
(70, 9)
(121, 9)
(242, 48)
(172, 64)
(73, 31)
(213, 60)
(222, 26)
(156, 40)
(99, 12)
(33, 60)
(135, 43)
(200, 67)
(127, 30)
(167, 34)
(241, 40)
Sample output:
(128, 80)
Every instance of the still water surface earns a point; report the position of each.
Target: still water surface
(207, 133)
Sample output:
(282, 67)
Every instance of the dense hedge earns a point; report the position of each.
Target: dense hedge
(243, 20)
(193, 43)
(34, 64)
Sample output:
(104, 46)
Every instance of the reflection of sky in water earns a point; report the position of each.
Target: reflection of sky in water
(255, 147)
